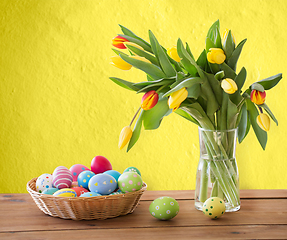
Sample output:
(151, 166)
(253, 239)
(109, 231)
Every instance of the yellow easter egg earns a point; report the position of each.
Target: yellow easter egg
(214, 207)
(65, 192)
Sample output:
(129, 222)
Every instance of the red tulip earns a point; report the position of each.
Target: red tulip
(258, 97)
(149, 100)
(119, 41)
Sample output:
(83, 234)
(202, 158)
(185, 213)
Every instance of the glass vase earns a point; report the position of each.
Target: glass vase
(217, 172)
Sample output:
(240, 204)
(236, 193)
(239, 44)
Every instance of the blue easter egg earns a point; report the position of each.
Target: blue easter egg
(113, 173)
(84, 178)
(102, 183)
(90, 194)
(50, 191)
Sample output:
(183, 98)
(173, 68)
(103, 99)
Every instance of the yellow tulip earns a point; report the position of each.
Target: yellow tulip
(224, 36)
(263, 121)
(172, 52)
(176, 98)
(125, 136)
(118, 62)
(229, 86)
(216, 55)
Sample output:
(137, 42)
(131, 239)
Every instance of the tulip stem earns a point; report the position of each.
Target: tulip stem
(135, 116)
(163, 86)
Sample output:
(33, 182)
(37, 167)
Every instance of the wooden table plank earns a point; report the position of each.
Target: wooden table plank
(20, 213)
(182, 233)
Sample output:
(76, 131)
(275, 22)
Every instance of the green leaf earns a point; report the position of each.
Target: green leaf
(212, 31)
(258, 87)
(118, 52)
(253, 113)
(124, 84)
(144, 54)
(215, 86)
(148, 87)
(148, 68)
(228, 45)
(188, 51)
(136, 131)
(162, 57)
(219, 75)
(144, 45)
(240, 78)
(244, 124)
(264, 105)
(186, 116)
(232, 114)
(218, 42)
(147, 83)
(153, 117)
(228, 72)
(213, 66)
(202, 59)
(186, 83)
(128, 32)
(187, 61)
(194, 91)
(232, 61)
(270, 82)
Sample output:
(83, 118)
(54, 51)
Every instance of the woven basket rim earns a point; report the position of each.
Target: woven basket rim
(104, 197)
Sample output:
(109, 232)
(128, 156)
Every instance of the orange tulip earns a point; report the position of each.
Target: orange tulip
(258, 97)
(119, 41)
(149, 100)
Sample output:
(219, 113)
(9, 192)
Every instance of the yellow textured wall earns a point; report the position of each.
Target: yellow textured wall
(58, 106)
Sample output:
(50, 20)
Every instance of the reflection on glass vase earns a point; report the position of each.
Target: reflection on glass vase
(217, 172)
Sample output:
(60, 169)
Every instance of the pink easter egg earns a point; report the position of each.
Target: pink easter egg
(76, 170)
(62, 177)
(100, 164)
(80, 190)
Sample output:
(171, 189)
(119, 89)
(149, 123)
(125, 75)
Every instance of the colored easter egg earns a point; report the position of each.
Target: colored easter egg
(164, 208)
(116, 193)
(130, 182)
(65, 192)
(90, 194)
(50, 191)
(79, 190)
(76, 170)
(102, 183)
(100, 164)
(84, 178)
(74, 184)
(113, 173)
(213, 207)
(43, 182)
(62, 177)
(133, 169)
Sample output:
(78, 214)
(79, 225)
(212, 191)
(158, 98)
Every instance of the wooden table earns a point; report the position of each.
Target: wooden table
(263, 215)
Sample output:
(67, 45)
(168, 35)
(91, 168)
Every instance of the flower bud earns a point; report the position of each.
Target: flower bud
(216, 55)
(172, 52)
(149, 100)
(176, 98)
(257, 97)
(118, 62)
(229, 86)
(119, 41)
(125, 136)
(263, 121)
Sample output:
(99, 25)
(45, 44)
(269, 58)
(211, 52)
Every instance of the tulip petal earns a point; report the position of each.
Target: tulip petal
(263, 121)
(125, 136)
(176, 98)
(118, 62)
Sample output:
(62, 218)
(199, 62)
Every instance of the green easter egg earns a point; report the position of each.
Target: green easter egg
(133, 169)
(214, 207)
(164, 208)
(130, 182)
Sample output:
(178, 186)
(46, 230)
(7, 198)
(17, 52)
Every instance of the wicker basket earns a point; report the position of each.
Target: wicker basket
(87, 208)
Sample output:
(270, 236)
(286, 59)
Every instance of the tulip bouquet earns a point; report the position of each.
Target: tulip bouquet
(206, 91)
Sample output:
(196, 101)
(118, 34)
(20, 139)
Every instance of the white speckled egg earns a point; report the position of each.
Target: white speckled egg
(43, 182)
(164, 208)
(213, 207)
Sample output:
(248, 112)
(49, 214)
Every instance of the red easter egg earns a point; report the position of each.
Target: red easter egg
(100, 164)
(80, 190)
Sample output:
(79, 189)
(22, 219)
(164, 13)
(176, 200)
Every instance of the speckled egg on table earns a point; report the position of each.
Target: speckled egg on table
(102, 183)
(213, 207)
(130, 182)
(164, 208)
(65, 192)
(133, 169)
(90, 194)
(62, 177)
(76, 170)
(84, 178)
(43, 182)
